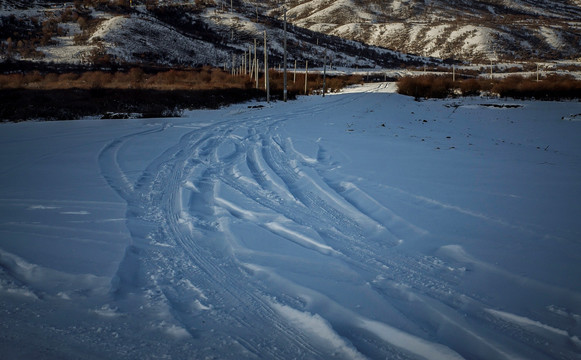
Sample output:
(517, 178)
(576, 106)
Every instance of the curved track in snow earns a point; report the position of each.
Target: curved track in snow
(239, 242)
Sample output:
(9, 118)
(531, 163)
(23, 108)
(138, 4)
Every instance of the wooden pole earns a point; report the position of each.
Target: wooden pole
(306, 75)
(295, 73)
(266, 83)
(250, 63)
(255, 64)
(284, 91)
(325, 74)
(249, 70)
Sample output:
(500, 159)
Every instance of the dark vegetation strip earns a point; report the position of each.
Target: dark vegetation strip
(69, 104)
(45, 94)
(552, 87)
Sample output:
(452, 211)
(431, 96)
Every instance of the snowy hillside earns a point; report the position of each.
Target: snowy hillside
(363, 225)
(354, 33)
(474, 30)
(172, 34)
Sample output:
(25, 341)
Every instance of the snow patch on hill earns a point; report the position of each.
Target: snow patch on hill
(142, 38)
(424, 27)
(65, 50)
(553, 37)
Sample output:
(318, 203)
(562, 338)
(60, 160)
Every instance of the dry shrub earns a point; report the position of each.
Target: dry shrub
(509, 86)
(206, 78)
(66, 80)
(135, 77)
(441, 87)
(337, 83)
(219, 76)
(298, 86)
(12, 81)
(33, 77)
(411, 86)
(470, 87)
(487, 84)
(167, 77)
(426, 86)
(95, 79)
(553, 87)
(561, 86)
(51, 78)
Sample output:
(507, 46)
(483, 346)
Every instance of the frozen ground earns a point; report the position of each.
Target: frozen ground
(359, 225)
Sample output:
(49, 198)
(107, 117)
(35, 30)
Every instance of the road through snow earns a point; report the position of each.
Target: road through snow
(361, 225)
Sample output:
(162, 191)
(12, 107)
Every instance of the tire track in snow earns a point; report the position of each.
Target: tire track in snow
(186, 264)
(320, 206)
(174, 241)
(110, 169)
(165, 250)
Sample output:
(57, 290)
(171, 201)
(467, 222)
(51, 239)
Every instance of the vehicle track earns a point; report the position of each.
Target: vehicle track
(186, 259)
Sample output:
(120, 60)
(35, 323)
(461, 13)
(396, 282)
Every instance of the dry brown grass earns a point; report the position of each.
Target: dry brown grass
(552, 87)
(205, 78)
(426, 86)
(71, 95)
(196, 79)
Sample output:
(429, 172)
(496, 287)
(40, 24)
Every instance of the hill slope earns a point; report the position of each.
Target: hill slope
(353, 33)
(171, 34)
(453, 28)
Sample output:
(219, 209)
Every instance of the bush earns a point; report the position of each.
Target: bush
(553, 87)
(470, 87)
(426, 86)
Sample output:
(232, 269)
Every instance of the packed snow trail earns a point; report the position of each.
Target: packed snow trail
(243, 240)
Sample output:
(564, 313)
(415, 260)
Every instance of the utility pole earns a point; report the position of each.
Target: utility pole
(325, 74)
(266, 83)
(284, 92)
(492, 57)
(295, 73)
(250, 62)
(306, 75)
(255, 64)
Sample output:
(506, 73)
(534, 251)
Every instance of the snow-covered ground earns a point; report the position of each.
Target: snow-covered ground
(359, 225)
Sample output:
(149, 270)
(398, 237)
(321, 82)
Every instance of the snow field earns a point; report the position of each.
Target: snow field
(359, 225)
